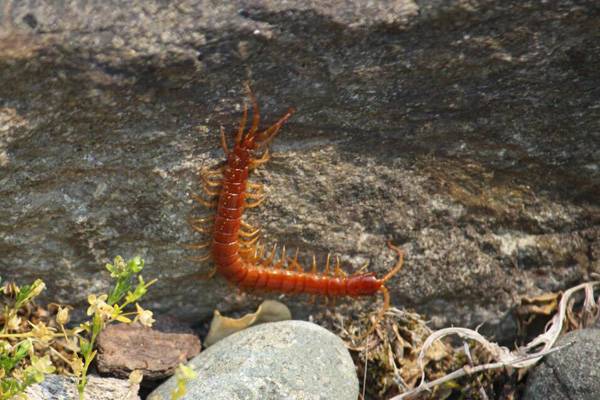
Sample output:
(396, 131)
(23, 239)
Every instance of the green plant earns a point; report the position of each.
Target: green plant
(34, 343)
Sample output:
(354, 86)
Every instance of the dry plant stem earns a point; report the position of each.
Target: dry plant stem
(468, 370)
(505, 358)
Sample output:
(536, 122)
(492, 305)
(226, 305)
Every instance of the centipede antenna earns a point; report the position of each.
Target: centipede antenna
(224, 140)
(268, 135)
(255, 112)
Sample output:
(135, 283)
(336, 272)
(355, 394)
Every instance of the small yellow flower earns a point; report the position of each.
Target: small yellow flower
(37, 288)
(76, 364)
(62, 316)
(14, 322)
(98, 306)
(42, 364)
(42, 332)
(144, 316)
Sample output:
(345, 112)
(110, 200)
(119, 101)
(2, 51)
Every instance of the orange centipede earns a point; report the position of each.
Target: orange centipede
(233, 244)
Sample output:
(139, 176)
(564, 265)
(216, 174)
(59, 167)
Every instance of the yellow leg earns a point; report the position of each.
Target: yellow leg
(204, 202)
(202, 258)
(249, 242)
(252, 195)
(206, 276)
(254, 203)
(326, 271)
(197, 246)
(260, 161)
(267, 261)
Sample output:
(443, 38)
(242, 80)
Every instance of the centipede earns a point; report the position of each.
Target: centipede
(234, 245)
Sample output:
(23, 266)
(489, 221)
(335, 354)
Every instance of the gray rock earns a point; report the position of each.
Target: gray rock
(283, 360)
(57, 387)
(466, 134)
(569, 374)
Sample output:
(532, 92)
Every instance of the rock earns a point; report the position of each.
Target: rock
(57, 387)
(571, 373)
(282, 360)
(123, 348)
(466, 134)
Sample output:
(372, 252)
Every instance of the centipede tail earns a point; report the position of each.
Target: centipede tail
(235, 245)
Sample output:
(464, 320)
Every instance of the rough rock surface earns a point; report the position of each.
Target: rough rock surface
(293, 360)
(467, 132)
(123, 348)
(572, 373)
(57, 387)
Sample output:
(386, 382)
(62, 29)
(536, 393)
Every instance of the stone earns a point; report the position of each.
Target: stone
(571, 373)
(58, 387)
(466, 132)
(123, 348)
(293, 360)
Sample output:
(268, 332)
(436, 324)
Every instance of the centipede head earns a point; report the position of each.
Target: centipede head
(254, 139)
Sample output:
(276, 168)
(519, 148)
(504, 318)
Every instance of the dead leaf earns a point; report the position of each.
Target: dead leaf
(268, 311)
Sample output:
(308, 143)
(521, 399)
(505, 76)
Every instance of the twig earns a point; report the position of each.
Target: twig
(505, 358)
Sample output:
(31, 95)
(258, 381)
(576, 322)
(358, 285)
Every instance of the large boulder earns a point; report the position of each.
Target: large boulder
(466, 133)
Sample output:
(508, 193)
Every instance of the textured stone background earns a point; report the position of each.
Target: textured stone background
(466, 131)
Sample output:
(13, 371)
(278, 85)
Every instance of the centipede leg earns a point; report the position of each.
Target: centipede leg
(206, 276)
(202, 258)
(251, 195)
(254, 203)
(398, 265)
(260, 161)
(249, 242)
(326, 271)
(197, 246)
(204, 202)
